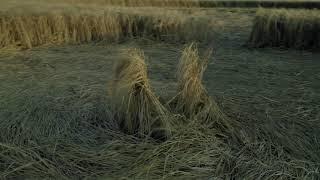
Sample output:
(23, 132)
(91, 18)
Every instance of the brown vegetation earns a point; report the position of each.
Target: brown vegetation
(299, 29)
(137, 109)
(55, 122)
(50, 28)
(193, 99)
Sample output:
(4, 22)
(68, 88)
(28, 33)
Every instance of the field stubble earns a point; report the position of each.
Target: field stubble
(57, 120)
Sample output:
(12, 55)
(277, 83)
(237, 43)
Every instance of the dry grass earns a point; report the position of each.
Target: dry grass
(29, 30)
(180, 3)
(193, 95)
(33, 30)
(60, 124)
(127, 3)
(299, 29)
(192, 99)
(158, 3)
(59, 130)
(137, 108)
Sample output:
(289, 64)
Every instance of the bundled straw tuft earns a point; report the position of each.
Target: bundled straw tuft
(193, 100)
(137, 108)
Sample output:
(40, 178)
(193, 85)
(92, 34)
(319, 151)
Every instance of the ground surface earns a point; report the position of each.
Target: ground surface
(269, 90)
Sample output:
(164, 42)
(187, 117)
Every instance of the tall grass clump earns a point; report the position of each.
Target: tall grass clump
(298, 29)
(154, 3)
(37, 29)
(136, 107)
(310, 4)
(192, 99)
(34, 29)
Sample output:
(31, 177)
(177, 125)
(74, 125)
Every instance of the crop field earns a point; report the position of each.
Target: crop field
(298, 29)
(158, 90)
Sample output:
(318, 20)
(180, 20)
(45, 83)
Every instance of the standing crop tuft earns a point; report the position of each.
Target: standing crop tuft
(192, 99)
(137, 108)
